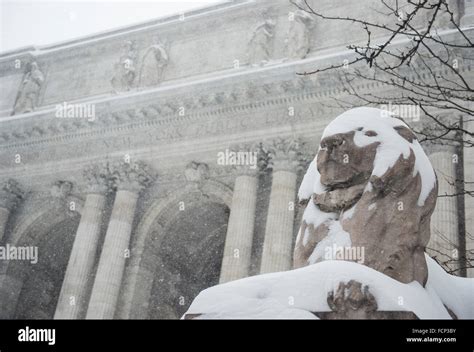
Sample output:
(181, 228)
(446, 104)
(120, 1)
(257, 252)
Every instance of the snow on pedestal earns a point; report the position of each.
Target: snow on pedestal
(297, 293)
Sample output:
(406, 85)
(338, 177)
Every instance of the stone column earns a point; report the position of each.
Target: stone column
(467, 19)
(444, 241)
(129, 180)
(72, 302)
(10, 196)
(240, 230)
(278, 243)
(469, 199)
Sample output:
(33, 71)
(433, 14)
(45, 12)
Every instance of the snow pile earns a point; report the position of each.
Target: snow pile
(457, 293)
(295, 294)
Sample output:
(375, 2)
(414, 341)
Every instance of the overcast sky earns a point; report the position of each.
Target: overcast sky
(39, 22)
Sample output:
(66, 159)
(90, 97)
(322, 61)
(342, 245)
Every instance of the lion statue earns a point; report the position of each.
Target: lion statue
(372, 188)
(369, 195)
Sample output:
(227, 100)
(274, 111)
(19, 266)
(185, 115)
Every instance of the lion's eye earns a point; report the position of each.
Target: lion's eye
(371, 133)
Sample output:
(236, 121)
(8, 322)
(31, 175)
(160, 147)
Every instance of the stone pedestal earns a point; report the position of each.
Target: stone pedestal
(238, 243)
(277, 246)
(129, 181)
(72, 300)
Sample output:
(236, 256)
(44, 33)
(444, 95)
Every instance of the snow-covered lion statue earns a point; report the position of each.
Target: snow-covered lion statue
(371, 187)
(360, 251)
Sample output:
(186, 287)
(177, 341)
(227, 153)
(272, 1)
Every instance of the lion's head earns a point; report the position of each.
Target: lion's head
(372, 189)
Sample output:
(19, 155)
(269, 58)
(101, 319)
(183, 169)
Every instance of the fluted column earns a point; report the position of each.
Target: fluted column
(10, 196)
(129, 181)
(444, 241)
(277, 246)
(240, 230)
(469, 195)
(72, 302)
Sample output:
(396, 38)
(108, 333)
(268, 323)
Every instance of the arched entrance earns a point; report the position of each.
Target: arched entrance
(42, 281)
(167, 233)
(28, 289)
(190, 258)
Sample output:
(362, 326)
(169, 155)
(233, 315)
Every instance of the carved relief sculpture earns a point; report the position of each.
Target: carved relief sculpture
(152, 66)
(299, 36)
(27, 99)
(260, 44)
(124, 70)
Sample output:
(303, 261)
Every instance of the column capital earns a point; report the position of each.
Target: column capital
(97, 179)
(246, 159)
(133, 176)
(10, 194)
(285, 154)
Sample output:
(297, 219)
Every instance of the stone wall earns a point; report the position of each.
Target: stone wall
(201, 103)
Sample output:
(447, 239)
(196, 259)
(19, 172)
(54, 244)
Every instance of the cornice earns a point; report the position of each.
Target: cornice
(209, 10)
(244, 97)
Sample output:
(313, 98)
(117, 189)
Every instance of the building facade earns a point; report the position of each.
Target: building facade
(148, 163)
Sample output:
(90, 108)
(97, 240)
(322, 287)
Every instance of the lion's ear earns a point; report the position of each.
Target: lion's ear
(406, 133)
